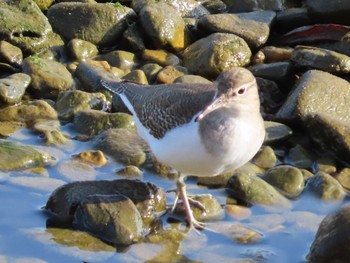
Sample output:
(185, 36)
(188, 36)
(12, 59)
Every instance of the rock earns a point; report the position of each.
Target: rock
(218, 52)
(271, 96)
(7, 128)
(265, 158)
(137, 76)
(292, 18)
(160, 57)
(288, 179)
(28, 112)
(299, 157)
(100, 24)
(50, 131)
(81, 49)
(148, 198)
(151, 70)
(113, 218)
(49, 77)
(271, 54)
(324, 11)
(93, 157)
(214, 6)
(322, 59)
(18, 156)
(276, 132)
(124, 60)
(132, 37)
(280, 72)
(254, 190)
(343, 178)
(326, 187)
(213, 211)
(169, 73)
(255, 33)
(192, 79)
(24, 25)
(238, 212)
(185, 8)
(332, 237)
(305, 101)
(171, 34)
(13, 88)
(252, 5)
(123, 146)
(71, 102)
(331, 134)
(93, 122)
(130, 171)
(10, 54)
(90, 73)
(326, 164)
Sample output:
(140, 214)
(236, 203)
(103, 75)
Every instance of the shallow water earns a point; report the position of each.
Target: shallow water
(287, 234)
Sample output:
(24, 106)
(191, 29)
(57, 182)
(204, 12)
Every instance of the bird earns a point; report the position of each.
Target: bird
(198, 129)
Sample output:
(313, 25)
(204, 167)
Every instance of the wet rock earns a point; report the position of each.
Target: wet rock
(317, 58)
(334, 12)
(343, 178)
(326, 187)
(24, 25)
(238, 212)
(49, 77)
(130, 171)
(171, 34)
(132, 36)
(151, 70)
(254, 190)
(160, 57)
(169, 73)
(332, 237)
(276, 132)
(10, 54)
(27, 112)
(305, 101)
(185, 8)
(239, 233)
(44, 4)
(192, 79)
(113, 218)
(271, 54)
(255, 33)
(93, 122)
(218, 52)
(13, 88)
(271, 96)
(213, 211)
(136, 76)
(299, 157)
(50, 131)
(18, 156)
(123, 146)
(81, 49)
(7, 128)
(265, 158)
(100, 24)
(292, 18)
(93, 157)
(326, 164)
(90, 73)
(280, 72)
(148, 198)
(288, 179)
(71, 102)
(121, 59)
(306, 174)
(331, 134)
(252, 5)
(214, 6)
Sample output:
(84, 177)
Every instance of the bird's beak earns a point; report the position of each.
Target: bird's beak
(216, 103)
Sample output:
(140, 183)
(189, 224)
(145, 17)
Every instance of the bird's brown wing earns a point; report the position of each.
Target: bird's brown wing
(161, 108)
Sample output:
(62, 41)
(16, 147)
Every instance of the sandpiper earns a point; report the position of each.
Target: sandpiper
(197, 129)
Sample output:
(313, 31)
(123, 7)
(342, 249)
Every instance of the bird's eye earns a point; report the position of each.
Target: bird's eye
(241, 91)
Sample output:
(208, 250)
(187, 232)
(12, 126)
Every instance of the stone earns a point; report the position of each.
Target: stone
(49, 77)
(10, 54)
(123, 146)
(93, 122)
(332, 237)
(299, 157)
(13, 87)
(343, 178)
(333, 12)
(265, 158)
(171, 34)
(253, 5)
(81, 49)
(137, 76)
(121, 59)
(160, 57)
(168, 74)
(276, 132)
(93, 157)
(130, 171)
(326, 187)
(192, 79)
(218, 52)
(100, 24)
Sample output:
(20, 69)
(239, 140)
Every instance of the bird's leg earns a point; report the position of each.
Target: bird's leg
(181, 191)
